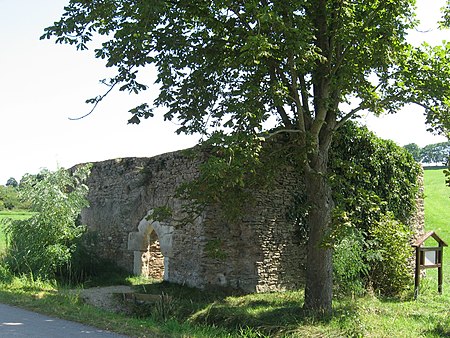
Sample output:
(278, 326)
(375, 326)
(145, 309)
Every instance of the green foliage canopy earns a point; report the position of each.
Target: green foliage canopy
(233, 64)
(12, 182)
(414, 150)
(436, 153)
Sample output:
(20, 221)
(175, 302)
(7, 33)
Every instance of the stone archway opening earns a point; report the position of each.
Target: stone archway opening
(152, 247)
(152, 259)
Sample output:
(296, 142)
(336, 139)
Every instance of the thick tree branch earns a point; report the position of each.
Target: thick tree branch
(321, 79)
(398, 97)
(294, 90)
(305, 101)
(281, 131)
(348, 116)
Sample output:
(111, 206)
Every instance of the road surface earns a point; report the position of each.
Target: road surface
(15, 322)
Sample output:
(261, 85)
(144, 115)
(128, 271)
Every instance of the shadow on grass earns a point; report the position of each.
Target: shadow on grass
(270, 314)
(249, 315)
(441, 329)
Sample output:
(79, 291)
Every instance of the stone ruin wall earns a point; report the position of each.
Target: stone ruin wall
(417, 222)
(261, 251)
(153, 259)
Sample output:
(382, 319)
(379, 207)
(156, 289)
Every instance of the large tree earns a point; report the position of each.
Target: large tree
(436, 153)
(414, 150)
(229, 67)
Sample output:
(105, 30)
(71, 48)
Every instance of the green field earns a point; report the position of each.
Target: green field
(437, 203)
(437, 218)
(15, 214)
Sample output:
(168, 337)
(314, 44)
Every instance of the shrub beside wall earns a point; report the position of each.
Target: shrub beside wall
(375, 189)
(43, 244)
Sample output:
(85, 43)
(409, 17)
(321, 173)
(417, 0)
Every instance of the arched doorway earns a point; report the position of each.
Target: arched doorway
(152, 247)
(153, 259)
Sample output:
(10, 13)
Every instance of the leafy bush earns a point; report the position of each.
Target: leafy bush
(87, 267)
(370, 175)
(375, 187)
(9, 198)
(349, 264)
(5, 274)
(389, 252)
(38, 246)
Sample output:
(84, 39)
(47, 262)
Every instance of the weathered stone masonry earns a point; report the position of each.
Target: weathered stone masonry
(258, 252)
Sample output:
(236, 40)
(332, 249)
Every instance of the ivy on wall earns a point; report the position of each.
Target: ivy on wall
(372, 176)
(375, 185)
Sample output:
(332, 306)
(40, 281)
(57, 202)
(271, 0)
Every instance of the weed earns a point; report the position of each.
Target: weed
(164, 307)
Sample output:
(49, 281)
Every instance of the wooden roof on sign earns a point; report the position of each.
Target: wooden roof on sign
(429, 234)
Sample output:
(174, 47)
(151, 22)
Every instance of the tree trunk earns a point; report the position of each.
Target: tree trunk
(319, 266)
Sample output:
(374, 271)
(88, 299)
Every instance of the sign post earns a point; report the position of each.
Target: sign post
(428, 257)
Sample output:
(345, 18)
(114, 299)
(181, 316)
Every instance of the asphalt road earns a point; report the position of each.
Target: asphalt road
(15, 322)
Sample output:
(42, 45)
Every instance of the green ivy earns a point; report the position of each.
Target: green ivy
(371, 178)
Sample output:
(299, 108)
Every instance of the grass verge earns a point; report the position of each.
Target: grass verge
(215, 314)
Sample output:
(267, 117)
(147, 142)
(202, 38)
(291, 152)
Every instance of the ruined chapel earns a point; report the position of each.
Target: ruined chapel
(257, 253)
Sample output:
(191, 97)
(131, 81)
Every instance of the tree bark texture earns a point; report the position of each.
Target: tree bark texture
(319, 267)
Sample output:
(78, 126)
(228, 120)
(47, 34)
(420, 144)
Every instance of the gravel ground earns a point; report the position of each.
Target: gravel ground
(102, 297)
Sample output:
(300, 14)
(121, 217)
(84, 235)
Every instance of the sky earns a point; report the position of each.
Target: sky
(42, 85)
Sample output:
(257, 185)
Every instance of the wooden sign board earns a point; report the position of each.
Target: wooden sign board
(428, 258)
